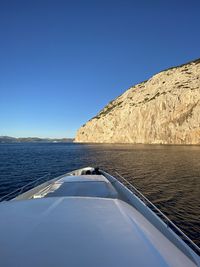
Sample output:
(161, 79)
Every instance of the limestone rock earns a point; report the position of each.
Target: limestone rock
(163, 110)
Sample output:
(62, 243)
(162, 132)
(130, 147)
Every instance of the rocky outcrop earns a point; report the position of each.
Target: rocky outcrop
(163, 110)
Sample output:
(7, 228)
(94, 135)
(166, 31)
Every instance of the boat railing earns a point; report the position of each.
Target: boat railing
(25, 188)
(159, 213)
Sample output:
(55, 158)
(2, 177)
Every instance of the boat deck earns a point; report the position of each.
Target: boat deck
(79, 186)
(86, 220)
(82, 231)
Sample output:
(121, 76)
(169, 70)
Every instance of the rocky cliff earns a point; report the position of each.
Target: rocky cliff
(163, 110)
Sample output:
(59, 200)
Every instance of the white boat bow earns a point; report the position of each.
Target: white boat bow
(88, 218)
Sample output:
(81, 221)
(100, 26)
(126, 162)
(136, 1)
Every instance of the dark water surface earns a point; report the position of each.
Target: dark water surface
(168, 175)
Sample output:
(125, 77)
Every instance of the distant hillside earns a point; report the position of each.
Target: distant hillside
(163, 110)
(8, 139)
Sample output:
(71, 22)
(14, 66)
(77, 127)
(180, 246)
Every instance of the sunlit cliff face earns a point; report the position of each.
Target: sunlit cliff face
(165, 110)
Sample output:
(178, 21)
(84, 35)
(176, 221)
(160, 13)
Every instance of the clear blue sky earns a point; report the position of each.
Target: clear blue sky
(62, 61)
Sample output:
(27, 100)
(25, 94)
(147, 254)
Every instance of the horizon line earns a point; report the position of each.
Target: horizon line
(37, 137)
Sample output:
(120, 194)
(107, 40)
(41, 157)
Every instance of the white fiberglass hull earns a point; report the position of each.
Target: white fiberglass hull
(87, 219)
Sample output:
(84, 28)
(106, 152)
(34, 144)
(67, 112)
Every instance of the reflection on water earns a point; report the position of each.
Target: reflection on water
(168, 175)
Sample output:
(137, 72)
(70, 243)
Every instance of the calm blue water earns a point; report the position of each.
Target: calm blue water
(168, 175)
